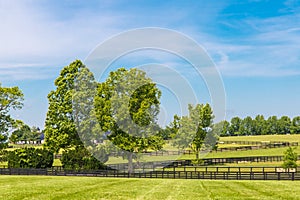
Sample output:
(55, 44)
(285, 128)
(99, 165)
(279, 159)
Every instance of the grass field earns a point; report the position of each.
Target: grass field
(44, 187)
(260, 138)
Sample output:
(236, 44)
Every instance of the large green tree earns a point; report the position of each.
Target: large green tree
(60, 127)
(10, 98)
(127, 105)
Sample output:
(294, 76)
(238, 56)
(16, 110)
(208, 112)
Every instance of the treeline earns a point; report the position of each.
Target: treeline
(23, 134)
(261, 126)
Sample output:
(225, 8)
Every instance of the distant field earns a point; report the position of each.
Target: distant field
(257, 152)
(44, 187)
(225, 154)
(259, 138)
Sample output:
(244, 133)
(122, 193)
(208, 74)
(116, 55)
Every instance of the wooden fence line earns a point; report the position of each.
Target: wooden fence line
(160, 174)
(204, 162)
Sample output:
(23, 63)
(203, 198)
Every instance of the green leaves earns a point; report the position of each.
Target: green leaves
(193, 129)
(10, 98)
(60, 127)
(81, 159)
(290, 158)
(29, 158)
(127, 105)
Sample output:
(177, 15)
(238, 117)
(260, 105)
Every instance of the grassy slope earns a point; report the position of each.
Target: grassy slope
(259, 138)
(33, 187)
(226, 154)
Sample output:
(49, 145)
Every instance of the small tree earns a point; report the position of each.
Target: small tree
(194, 128)
(289, 158)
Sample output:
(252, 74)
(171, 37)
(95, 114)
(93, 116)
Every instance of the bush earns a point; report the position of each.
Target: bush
(29, 158)
(80, 159)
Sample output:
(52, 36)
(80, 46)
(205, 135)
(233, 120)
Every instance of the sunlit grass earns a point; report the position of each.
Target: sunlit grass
(46, 187)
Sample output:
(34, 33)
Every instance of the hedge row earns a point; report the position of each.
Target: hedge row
(29, 158)
(80, 159)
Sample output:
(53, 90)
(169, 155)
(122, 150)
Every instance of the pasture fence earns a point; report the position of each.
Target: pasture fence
(216, 175)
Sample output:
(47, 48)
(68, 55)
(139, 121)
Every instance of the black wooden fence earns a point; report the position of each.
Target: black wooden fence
(151, 166)
(217, 175)
(251, 145)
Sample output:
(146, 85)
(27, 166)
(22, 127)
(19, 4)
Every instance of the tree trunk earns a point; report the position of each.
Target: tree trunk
(130, 164)
(197, 155)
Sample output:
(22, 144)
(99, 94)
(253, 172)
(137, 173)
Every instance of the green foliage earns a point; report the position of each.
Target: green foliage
(127, 105)
(171, 130)
(290, 158)
(194, 128)
(60, 127)
(81, 159)
(10, 98)
(29, 158)
(295, 126)
(235, 124)
(23, 132)
(261, 126)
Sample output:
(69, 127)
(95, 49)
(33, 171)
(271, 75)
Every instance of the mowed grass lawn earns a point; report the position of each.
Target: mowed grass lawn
(47, 187)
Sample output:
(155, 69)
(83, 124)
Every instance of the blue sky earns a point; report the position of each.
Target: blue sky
(255, 45)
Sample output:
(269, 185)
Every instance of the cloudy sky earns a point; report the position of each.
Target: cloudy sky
(254, 44)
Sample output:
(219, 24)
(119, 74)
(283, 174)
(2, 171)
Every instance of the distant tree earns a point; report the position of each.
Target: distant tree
(246, 126)
(225, 128)
(10, 98)
(171, 130)
(260, 125)
(284, 125)
(295, 127)
(22, 131)
(272, 125)
(290, 158)
(235, 124)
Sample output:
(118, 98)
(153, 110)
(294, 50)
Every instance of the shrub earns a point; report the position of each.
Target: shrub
(80, 159)
(29, 158)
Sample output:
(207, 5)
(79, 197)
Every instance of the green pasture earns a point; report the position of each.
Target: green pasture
(225, 154)
(263, 138)
(47, 187)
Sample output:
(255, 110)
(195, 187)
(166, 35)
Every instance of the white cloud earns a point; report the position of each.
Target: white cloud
(32, 37)
(272, 50)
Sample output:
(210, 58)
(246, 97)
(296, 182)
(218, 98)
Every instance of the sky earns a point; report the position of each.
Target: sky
(254, 44)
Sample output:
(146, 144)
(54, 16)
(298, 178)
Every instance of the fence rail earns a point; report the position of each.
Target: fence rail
(146, 166)
(252, 145)
(161, 174)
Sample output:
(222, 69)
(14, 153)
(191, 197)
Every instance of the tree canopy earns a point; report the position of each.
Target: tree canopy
(60, 128)
(127, 105)
(10, 98)
(193, 128)
(261, 126)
